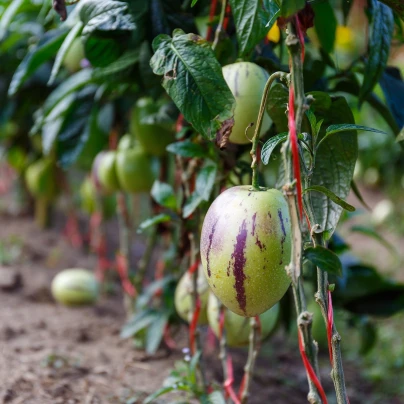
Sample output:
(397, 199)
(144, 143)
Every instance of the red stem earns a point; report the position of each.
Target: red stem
(193, 325)
(212, 11)
(228, 383)
(226, 17)
(330, 324)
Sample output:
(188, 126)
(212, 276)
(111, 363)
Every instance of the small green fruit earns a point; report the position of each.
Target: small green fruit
(88, 200)
(153, 135)
(104, 171)
(183, 298)
(238, 327)
(40, 178)
(134, 170)
(246, 81)
(75, 287)
(245, 246)
(74, 56)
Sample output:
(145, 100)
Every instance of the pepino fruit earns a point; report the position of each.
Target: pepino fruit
(40, 178)
(74, 56)
(75, 287)
(184, 297)
(246, 81)
(245, 246)
(238, 327)
(104, 171)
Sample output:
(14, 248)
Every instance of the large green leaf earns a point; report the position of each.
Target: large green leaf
(8, 15)
(325, 24)
(334, 166)
(290, 7)
(193, 78)
(250, 19)
(270, 146)
(336, 199)
(164, 195)
(382, 26)
(324, 259)
(278, 96)
(108, 27)
(41, 53)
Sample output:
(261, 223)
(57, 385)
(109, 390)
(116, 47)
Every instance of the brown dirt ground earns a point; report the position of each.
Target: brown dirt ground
(51, 354)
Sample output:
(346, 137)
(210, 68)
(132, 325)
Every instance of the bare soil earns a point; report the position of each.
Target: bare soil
(51, 354)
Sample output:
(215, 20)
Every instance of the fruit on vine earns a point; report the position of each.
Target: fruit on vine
(183, 298)
(245, 246)
(104, 171)
(246, 81)
(41, 181)
(238, 327)
(74, 56)
(134, 170)
(152, 133)
(75, 287)
(126, 142)
(88, 200)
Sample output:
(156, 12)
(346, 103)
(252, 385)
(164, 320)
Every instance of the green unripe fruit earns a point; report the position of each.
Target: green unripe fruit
(238, 327)
(153, 136)
(104, 171)
(134, 170)
(88, 200)
(126, 142)
(75, 287)
(318, 327)
(40, 178)
(183, 298)
(74, 56)
(245, 246)
(246, 81)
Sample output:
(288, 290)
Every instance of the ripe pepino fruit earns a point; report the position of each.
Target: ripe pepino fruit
(238, 327)
(245, 246)
(183, 299)
(246, 81)
(75, 287)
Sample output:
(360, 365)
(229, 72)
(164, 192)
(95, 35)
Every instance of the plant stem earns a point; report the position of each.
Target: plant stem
(304, 319)
(255, 139)
(195, 296)
(222, 341)
(253, 348)
(337, 373)
(42, 210)
(144, 261)
(219, 27)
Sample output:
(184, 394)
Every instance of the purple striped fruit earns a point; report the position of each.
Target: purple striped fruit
(246, 81)
(245, 246)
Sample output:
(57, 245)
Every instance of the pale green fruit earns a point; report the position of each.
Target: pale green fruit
(246, 81)
(75, 287)
(183, 298)
(74, 56)
(40, 178)
(238, 327)
(245, 246)
(104, 171)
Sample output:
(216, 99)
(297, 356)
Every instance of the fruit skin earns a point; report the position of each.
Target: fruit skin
(183, 298)
(104, 171)
(238, 327)
(245, 246)
(40, 178)
(75, 287)
(134, 170)
(246, 81)
(153, 136)
(74, 56)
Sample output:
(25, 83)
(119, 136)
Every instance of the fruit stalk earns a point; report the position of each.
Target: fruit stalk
(255, 139)
(337, 373)
(253, 348)
(219, 27)
(304, 318)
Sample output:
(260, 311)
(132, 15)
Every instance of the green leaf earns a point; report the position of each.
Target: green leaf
(325, 24)
(274, 13)
(216, 397)
(270, 146)
(334, 166)
(164, 195)
(368, 336)
(278, 97)
(205, 180)
(194, 2)
(191, 204)
(155, 333)
(8, 15)
(332, 196)
(187, 148)
(324, 259)
(250, 19)
(191, 74)
(382, 27)
(152, 221)
(71, 36)
(357, 193)
(120, 67)
(400, 136)
(41, 53)
(164, 390)
(138, 322)
(290, 7)
(108, 27)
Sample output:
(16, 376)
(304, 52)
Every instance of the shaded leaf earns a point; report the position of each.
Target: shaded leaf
(205, 180)
(358, 194)
(191, 74)
(187, 148)
(290, 7)
(155, 333)
(270, 146)
(332, 196)
(164, 195)
(325, 24)
(278, 97)
(152, 221)
(324, 259)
